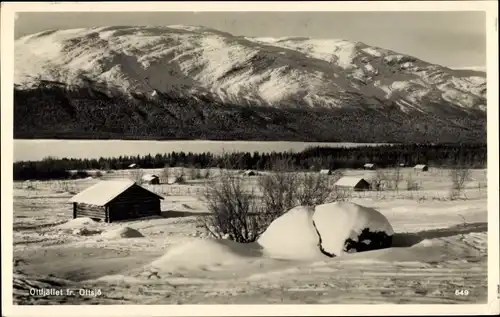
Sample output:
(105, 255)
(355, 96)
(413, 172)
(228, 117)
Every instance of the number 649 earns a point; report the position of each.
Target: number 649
(461, 292)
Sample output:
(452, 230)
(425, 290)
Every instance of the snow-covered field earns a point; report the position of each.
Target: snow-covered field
(439, 246)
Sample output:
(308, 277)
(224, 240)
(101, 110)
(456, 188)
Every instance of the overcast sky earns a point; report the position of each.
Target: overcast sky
(453, 39)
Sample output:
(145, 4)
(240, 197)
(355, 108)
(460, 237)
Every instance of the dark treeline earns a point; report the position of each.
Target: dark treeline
(442, 155)
(54, 111)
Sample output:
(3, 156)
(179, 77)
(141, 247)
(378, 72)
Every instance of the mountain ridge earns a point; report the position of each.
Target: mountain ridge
(213, 70)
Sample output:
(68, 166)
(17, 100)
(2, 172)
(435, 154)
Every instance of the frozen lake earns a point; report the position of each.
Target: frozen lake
(38, 149)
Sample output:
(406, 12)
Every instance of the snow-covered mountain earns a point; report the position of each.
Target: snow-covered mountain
(286, 73)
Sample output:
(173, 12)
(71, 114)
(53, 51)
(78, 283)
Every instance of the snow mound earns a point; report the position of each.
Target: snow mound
(118, 278)
(85, 231)
(77, 223)
(123, 232)
(348, 227)
(292, 236)
(201, 253)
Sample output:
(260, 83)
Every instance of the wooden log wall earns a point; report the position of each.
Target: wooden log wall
(91, 211)
(134, 203)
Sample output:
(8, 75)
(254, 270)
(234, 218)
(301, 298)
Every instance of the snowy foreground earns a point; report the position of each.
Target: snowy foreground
(439, 246)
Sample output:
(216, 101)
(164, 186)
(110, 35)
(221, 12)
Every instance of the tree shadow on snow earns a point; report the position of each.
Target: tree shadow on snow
(402, 240)
(180, 214)
(163, 215)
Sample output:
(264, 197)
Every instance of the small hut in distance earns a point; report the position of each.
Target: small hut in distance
(326, 171)
(151, 179)
(421, 167)
(353, 183)
(249, 173)
(369, 166)
(133, 165)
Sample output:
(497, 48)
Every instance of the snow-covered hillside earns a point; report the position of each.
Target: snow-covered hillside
(285, 72)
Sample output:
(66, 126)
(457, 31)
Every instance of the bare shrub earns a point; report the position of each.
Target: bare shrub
(30, 185)
(422, 198)
(342, 194)
(396, 177)
(411, 185)
(278, 189)
(284, 188)
(106, 166)
(482, 185)
(65, 187)
(315, 189)
(136, 175)
(379, 181)
(207, 174)
(166, 173)
(235, 214)
(459, 175)
(179, 176)
(195, 173)
(242, 215)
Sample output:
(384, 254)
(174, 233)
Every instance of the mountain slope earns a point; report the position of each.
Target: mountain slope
(220, 86)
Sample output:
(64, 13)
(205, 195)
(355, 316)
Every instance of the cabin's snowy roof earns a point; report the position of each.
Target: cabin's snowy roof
(103, 192)
(149, 177)
(349, 181)
(420, 166)
(369, 165)
(325, 171)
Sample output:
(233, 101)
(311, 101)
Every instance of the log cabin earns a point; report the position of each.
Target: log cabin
(421, 167)
(369, 166)
(150, 179)
(353, 183)
(326, 172)
(116, 200)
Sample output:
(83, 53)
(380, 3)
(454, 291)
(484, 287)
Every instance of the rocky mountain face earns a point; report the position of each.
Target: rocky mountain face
(182, 82)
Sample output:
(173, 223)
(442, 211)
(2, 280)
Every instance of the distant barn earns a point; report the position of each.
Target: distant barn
(353, 183)
(133, 165)
(151, 179)
(116, 200)
(369, 166)
(421, 167)
(326, 172)
(249, 173)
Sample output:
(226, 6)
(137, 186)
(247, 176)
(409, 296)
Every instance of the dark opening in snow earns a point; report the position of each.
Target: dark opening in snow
(368, 241)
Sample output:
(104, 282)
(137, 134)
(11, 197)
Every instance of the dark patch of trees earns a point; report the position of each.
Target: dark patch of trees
(53, 111)
(314, 158)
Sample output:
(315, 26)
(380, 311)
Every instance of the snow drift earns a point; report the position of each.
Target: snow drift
(200, 253)
(123, 232)
(77, 223)
(303, 233)
(348, 227)
(85, 231)
(326, 230)
(292, 236)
